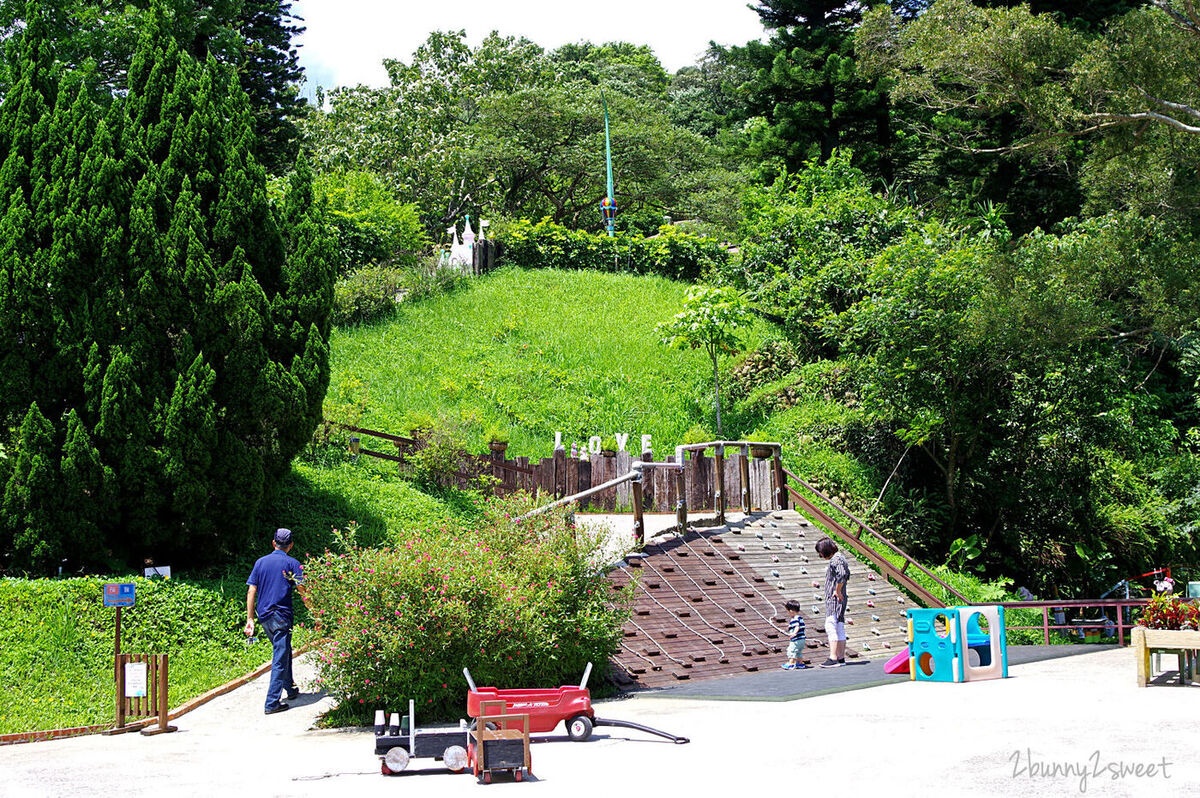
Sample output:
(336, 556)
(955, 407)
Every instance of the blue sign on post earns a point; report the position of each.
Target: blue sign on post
(118, 594)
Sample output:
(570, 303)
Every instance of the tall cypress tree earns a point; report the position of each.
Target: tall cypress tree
(253, 36)
(167, 324)
(808, 87)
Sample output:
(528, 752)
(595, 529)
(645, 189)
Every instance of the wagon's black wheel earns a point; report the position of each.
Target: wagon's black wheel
(579, 728)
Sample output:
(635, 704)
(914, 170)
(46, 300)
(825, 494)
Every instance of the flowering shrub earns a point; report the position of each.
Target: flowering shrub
(522, 604)
(672, 252)
(1170, 612)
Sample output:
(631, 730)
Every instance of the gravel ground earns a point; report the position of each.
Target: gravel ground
(1058, 727)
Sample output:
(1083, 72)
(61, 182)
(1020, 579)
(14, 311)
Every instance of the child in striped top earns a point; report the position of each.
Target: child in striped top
(795, 638)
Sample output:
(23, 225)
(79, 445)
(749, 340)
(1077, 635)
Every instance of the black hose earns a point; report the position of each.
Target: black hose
(627, 725)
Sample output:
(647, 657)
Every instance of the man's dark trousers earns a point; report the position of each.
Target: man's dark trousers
(280, 632)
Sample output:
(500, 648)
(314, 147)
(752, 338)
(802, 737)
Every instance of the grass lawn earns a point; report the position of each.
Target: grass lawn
(535, 352)
(56, 644)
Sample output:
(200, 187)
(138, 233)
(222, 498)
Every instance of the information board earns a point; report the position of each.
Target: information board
(118, 594)
(135, 680)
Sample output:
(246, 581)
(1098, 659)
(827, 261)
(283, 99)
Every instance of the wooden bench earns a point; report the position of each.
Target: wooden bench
(1185, 644)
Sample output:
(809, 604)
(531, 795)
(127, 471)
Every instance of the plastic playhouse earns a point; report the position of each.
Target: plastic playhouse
(954, 644)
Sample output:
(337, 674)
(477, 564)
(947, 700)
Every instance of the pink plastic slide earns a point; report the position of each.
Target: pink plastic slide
(897, 664)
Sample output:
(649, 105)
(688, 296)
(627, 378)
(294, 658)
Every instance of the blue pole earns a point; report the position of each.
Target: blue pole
(609, 216)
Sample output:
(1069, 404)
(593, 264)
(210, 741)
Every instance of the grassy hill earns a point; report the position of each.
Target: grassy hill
(535, 352)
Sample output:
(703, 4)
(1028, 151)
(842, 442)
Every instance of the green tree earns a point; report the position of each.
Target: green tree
(253, 36)
(1129, 89)
(1033, 395)
(163, 328)
(710, 322)
(29, 528)
(808, 91)
(505, 128)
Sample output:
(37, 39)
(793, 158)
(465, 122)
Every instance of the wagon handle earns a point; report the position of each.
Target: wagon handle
(470, 681)
(586, 673)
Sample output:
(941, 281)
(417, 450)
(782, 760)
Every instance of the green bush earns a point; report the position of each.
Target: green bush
(696, 434)
(671, 253)
(372, 292)
(368, 294)
(440, 456)
(370, 224)
(522, 604)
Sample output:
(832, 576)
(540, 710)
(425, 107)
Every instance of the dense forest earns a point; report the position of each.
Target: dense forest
(972, 225)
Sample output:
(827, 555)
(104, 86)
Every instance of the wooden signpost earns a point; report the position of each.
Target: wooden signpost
(141, 678)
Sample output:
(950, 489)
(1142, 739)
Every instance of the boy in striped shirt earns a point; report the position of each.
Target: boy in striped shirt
(795, 638)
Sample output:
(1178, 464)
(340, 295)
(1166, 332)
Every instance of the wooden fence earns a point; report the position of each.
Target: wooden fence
(562, 475)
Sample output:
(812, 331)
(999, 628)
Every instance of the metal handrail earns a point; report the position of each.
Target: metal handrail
(634, 475)
(583, 494)
(1120, 605)
(856, 542)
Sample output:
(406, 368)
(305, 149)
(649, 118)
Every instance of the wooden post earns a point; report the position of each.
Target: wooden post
(639, 528)
(719, 481)
(161, 697)
(681, 498)
(120, 690)
(560, 472)
(745, 464)
(1142, 654)
(117, 649)
(648, 485)
(781, 496)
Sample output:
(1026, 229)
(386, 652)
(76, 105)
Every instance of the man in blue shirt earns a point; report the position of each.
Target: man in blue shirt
(271, 584)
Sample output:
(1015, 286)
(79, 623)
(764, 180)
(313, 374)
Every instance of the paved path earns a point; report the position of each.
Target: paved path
(997, 738)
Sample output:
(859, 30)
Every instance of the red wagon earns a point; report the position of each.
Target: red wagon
(546, 708)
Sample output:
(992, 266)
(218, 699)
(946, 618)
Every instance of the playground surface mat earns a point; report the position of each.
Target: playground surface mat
(1070, 725)
(781, 685)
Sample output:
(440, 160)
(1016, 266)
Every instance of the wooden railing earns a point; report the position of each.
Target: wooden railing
(757, 480)
(819, 507)
(478, 464)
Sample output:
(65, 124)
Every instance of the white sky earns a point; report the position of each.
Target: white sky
(347, 40)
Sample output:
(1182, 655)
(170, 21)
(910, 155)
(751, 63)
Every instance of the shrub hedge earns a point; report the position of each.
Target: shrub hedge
(671, 253)
(522, 604)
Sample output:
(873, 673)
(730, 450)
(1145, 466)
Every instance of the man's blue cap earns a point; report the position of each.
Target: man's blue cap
(283, 536)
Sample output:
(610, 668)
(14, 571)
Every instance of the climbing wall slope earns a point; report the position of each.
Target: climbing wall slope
(710, 604)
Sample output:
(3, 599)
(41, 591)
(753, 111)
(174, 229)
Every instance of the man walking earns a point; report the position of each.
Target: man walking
(271, 584)
(836, 577)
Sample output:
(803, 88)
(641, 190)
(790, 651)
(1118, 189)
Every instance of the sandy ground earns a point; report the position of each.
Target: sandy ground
(1070, 726)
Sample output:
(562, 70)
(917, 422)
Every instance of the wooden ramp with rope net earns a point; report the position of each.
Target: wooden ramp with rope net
(710, 604)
